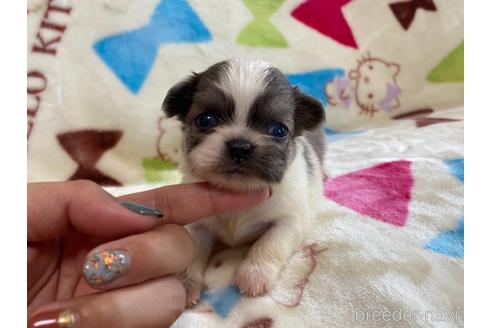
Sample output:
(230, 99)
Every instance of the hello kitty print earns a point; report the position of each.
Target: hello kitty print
(371, 87)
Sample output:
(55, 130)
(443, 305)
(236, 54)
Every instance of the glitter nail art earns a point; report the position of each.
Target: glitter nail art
(105, 266)
(67, 319)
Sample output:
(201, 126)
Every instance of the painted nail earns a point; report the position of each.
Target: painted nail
(142, 209)
(55, 319)
(105, 266)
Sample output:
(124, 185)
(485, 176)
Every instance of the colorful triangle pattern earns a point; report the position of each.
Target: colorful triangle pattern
(159, 170)
(326, 17)
(314, 82)
(457, 168)
(86, 147)
(422, 119)
(131, 55)
(450, 243)
(222, 300)
(451, 68)
(261, 32)
(382, 192)
(334, 136)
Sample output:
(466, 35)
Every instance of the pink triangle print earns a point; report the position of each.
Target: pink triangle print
(382, 192)
(326, 17)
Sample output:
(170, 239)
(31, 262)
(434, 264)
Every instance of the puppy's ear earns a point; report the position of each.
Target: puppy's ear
(309, 112)
(180, 97)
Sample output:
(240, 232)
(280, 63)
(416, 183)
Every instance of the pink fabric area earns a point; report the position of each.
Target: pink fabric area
(327, 18)
(382, 192)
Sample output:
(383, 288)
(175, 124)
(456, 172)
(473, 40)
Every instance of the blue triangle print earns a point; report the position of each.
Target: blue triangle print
(223, 300)
(450, 243)
(314, 83)
(334, 136)
(457, 168)
(131, 55)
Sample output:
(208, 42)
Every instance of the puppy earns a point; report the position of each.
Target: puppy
(246, 128)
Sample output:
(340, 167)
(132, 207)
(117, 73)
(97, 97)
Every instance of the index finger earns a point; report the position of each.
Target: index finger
(54, 208)
(186, 203)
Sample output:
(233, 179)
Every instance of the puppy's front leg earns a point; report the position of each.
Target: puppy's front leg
(267, 256)
(203, 240)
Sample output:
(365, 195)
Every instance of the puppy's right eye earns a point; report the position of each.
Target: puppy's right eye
(278, 130)
(205, 121)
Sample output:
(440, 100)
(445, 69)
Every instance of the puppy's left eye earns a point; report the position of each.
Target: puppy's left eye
(205, 121)
(278, 130)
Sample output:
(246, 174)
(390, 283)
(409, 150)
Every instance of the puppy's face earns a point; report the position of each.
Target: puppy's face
(240, 120)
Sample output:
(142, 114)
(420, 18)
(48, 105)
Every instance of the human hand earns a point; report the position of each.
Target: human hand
(75, 225)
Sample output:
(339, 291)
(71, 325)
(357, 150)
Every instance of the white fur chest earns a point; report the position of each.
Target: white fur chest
(294, 199)
(234, 230)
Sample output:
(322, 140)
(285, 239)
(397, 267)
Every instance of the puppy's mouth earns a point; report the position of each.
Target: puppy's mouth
(235, 171)
(235, 178)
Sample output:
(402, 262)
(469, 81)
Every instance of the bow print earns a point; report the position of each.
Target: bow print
(261, 32)
(404, 11)
(326, 17)
(422, 119)
(86, 147)
(314, 82)
(131, 54)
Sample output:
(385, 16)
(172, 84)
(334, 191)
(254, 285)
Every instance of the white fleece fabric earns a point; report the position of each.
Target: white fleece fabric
(388, 249)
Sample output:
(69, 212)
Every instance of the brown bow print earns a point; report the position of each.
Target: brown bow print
(422, 119)
(404, 11)
(86, 147)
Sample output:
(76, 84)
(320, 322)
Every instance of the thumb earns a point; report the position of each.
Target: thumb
(54, 208)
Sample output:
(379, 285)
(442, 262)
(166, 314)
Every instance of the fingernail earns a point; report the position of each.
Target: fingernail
(55, 319)
(105, 266)
(142, 209)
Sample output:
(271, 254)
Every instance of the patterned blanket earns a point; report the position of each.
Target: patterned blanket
(388, 248)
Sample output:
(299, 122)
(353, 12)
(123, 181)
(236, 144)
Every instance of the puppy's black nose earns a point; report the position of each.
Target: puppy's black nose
(239, 149)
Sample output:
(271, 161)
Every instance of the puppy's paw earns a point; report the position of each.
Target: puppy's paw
(254, 278)
(193, 284)
(193, 290)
